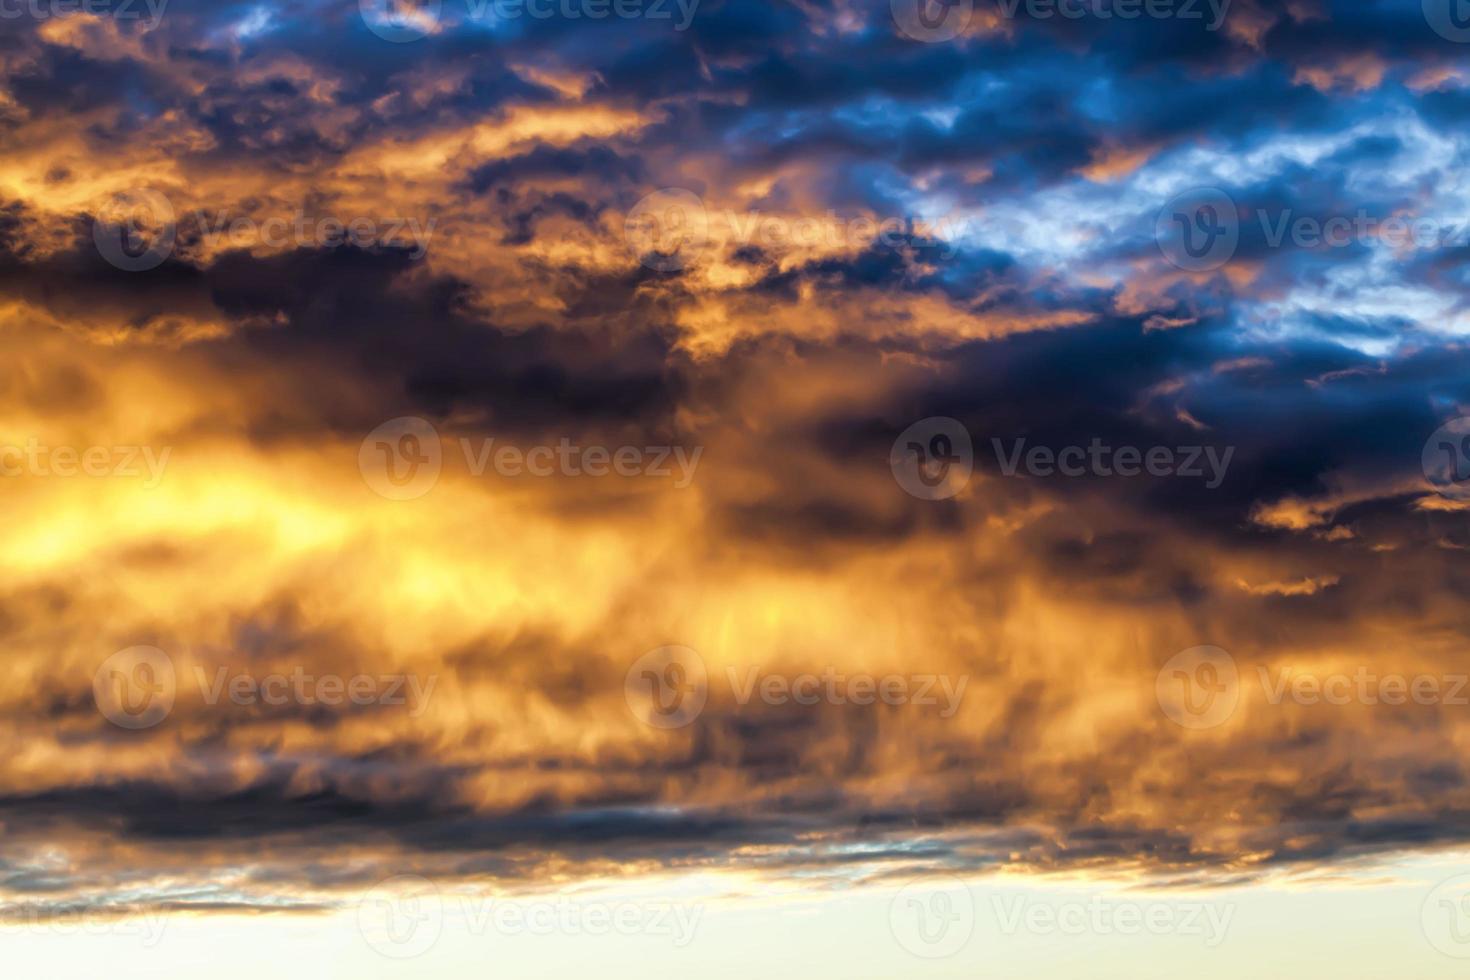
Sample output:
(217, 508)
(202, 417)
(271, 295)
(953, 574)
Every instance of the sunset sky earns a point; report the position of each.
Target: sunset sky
(940, 488)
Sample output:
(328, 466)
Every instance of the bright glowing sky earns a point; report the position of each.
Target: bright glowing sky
(274, 276)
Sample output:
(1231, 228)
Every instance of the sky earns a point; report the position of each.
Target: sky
(936, 488)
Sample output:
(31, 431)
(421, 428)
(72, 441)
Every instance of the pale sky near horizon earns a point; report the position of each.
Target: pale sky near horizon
(1369, 924)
